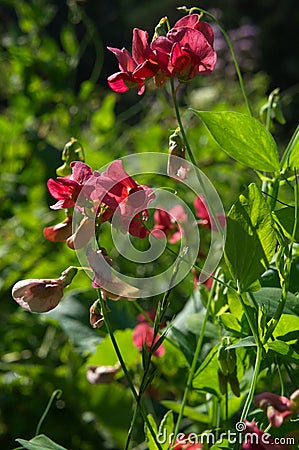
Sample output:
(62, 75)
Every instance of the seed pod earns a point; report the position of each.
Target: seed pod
(234, 383)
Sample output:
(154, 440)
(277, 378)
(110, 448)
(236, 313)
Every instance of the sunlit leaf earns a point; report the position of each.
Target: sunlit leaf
(243, 138)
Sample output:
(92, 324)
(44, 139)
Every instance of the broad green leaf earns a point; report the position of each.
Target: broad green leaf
(269, 298)
(205, 378)
(245, 342)
(287, 328)
(243, 138)
(286, 218)
(165, 430)
(189, 412)
(283, 349)
(251, 240)
(148, 435)
(290, 158)
(105, 353)
(40, 442)
(230, 323)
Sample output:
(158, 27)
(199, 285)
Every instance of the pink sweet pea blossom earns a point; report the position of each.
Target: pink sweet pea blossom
(186, 50)
(168, 222)
(59, 232)
(257, 439)
(206, 218)
(278, 408)
(120, 193)
(143, 336)
(67, 189)
(187, 442)
(42, 295)
(142, 58)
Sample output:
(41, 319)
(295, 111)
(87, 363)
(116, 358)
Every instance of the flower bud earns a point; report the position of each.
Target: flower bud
(72, 151)
(177, 167)
(59, 232)
(161, 28)
(42, 295)
(102, 374)
(96, 317)
(82, 235)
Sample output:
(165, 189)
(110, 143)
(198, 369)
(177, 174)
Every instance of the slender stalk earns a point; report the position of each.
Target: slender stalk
(125, 370)
(194, 361)
(258, 360)
(56, 394)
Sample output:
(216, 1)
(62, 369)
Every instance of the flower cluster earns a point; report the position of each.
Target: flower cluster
(185, 51)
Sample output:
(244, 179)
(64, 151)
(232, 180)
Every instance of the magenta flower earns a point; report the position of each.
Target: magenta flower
(169, 223)
(257, 439)
(186, 50)
(142, 58)
(143, 336)
(278, 408)
(206, 218)
(66, 189)
(186, 442)
(41, 295)
(120, 193)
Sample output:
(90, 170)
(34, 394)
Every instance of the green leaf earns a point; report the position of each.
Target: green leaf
(189, 412)
(290, 158)
(286, 218)
(245, 342)
(148, 436)
(165, 430)
(287, 328)
(283, 349)
(40, 442)
(243, 138)
(251, 240)
(269, 298)
(205, 378)
(230, 323)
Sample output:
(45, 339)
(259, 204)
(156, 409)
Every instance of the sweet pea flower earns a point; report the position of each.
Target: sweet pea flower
(206, 218)
(142, 58)
(96, 317)
(42, 295)
(257, 439)
(102, 374)
(103, 278)
(186, 442)
(59, 232)
(278, 408)
(120, 193)
(143, 336)
(168, 222)
(186, 50)
(67, 189)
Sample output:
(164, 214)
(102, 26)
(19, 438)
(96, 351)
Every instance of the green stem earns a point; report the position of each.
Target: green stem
(258, 360)
(56, 394)
(125, 370)
(194, 361)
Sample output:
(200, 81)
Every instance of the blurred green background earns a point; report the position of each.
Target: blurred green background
(53, 70)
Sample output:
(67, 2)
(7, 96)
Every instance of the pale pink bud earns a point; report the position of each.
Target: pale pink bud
(102, 374)
(82, 235)
(42, 295)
